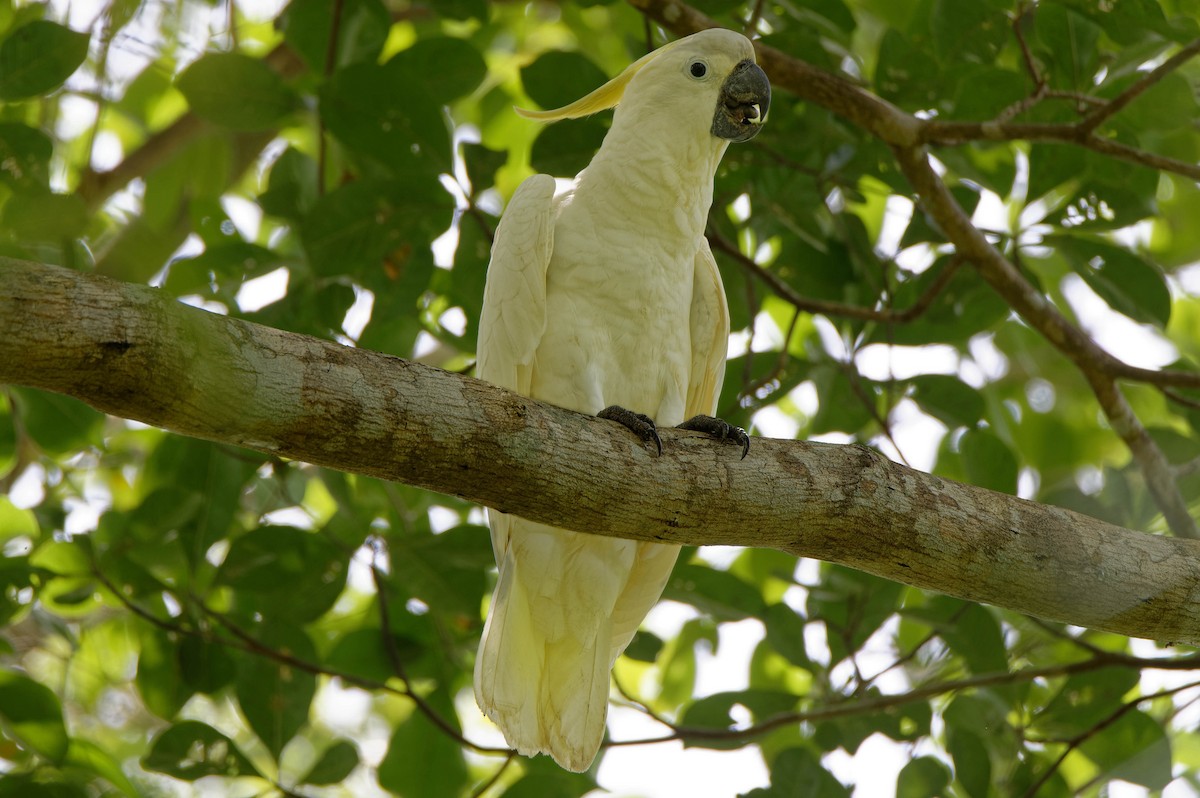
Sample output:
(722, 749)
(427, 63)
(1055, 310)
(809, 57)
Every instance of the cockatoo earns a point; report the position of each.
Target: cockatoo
(605, 298)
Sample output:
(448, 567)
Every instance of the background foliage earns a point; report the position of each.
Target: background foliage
(175, 610)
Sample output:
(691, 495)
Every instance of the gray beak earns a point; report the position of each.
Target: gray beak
(743, 103)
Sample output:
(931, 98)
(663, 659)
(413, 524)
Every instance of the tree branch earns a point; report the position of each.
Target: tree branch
(133, 351)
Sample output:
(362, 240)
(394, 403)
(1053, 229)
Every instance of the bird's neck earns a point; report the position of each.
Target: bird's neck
(645, 171)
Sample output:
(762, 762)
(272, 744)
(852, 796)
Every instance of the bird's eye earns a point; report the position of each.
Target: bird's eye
(698, 69)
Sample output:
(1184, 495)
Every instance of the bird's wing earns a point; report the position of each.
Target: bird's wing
(710, 335)
(514, 297)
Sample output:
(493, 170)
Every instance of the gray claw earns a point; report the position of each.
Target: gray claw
(638, 423)
(719, 429)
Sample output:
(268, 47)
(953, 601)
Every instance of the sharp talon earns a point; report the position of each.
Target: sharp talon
(638, 423)
(720, 429)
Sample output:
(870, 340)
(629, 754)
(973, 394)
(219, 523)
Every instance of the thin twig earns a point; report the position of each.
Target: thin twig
(491, 782)
(1103, 724)
(1114, 106)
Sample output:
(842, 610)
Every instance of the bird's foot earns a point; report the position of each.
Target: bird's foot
(719, 429)
(638, 423)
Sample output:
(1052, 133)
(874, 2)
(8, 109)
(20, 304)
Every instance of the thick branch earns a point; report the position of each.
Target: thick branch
(134, 352)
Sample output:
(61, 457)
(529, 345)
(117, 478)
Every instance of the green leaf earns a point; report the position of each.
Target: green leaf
(796, 772)
(565, 148)
(976, 636)
(544, 779)
(1083, 701)
(719, 593)
(421, 761)
(948, 399)
(558, 77)
(335, 765)
(38, 785)
(713, 712)
(46, 217)
(988, 461)
(236, 91)
(924, 777)
(1134, 748)
(57, 423)
(24, 157)
(37, 57)
(265, 565)
(88, 756)
(644, 647)
(274, 695)
(361, 652)
(362, 31)
(378, 231)
(1128, 283)
(204, 666)
(449, 67)
(446, 571)
(785, 633)
(852, 604)
(191, 750)
(972, 31)
(32, 715)
(159, 679)
(972, 764)
(392, 113)
(293, 186)
(677, 662)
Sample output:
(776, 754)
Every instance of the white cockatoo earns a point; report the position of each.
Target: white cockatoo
(605, 298)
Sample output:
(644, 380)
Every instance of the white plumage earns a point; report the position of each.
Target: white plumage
(606, 294)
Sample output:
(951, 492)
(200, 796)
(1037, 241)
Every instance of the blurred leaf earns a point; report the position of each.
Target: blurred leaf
(988, 461)
(713, 712)
(785, 633)
(293, 186)
(948, 399)
(362, 31)
(191, 750)
(446, 571)
(557, 78)
(236, 91)
(335, 764)
(32, 715)
(37, 57)
(57, 423)
(265, 565)
(46, 217)
(90, 757)
(718, 593)
(1134, 748)
(565, 148)
(24, 157)
(159, 678)
(852, 604)
(1128, 283)
(544, 779)
(797, 772)
(421, 760)
(923, 777)
(275, 695)
(972, 764)
(644, 647)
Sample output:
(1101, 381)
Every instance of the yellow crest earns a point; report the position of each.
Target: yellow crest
(603, 98)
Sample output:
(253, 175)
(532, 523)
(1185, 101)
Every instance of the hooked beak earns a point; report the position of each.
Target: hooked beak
(743, 103)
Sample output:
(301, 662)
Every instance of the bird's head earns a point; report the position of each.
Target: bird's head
(708, 81)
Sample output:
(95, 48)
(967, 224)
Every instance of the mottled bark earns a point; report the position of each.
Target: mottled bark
(134, 352)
